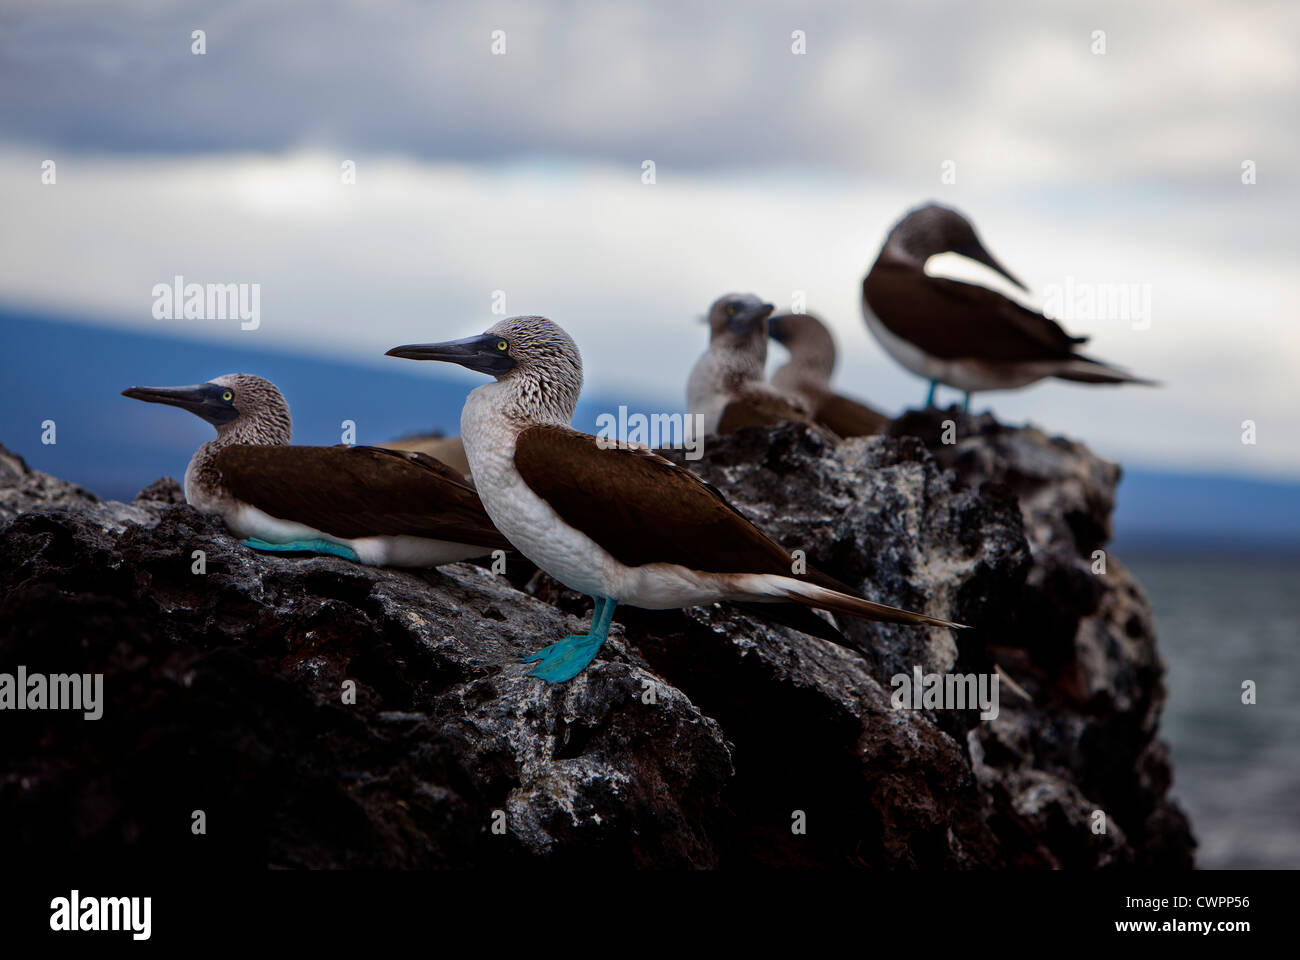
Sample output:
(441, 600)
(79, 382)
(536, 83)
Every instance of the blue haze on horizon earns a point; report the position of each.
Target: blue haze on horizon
(73, 373)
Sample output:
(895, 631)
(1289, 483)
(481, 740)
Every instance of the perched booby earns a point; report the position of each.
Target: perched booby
(373, 506)
(807, 376)
(448, 450)
(726, 384)
(961, 334)
(620, 524)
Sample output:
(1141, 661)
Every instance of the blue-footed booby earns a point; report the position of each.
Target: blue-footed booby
(807, 376)
(726, 384)
(620, 524)
(373, 506)
(961, 334)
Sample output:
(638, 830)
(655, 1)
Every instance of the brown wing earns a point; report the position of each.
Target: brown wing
(956, 320)
(640, 507)
(849, 418)
(359, 492)
(759, 410)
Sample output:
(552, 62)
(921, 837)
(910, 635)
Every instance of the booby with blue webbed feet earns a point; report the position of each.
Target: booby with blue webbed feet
(614, 521)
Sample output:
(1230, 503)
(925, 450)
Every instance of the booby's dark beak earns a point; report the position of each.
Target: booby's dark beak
(486, 353)
(974, 250)
(746, 319)
(206, 400)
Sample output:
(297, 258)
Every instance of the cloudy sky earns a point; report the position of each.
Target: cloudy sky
(775, 172)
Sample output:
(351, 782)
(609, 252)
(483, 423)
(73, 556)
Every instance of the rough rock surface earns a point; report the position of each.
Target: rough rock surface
(692, 741)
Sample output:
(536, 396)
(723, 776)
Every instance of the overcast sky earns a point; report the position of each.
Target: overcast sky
(775, 172)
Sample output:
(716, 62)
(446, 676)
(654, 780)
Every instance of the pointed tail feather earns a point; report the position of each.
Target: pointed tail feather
(813, 595)
(1086, 370)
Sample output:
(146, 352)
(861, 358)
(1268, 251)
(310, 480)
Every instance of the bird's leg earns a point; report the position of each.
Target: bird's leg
(550, 648)
(565, 659)
(965, 407)
(305, 546)
(929, 397)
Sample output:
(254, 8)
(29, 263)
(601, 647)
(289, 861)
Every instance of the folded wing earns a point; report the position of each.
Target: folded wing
(353, 492)
(956, 320)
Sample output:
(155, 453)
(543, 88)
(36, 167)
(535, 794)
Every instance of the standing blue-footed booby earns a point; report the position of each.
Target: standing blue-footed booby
(373, 506)
(726, 384)
(622, 525)
(961, 334)
(807, 376)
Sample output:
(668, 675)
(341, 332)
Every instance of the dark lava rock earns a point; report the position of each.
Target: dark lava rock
(696, 739)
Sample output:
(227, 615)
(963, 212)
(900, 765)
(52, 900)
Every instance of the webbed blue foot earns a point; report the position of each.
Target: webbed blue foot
(569, 658)
(550, 648)
(565, 659)
(305, 546)
(929, 397)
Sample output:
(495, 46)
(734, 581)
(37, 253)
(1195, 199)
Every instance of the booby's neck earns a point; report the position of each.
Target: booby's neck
(726, 366)
(496, 413)
(909, 247)
(740, 363)
(812, 359)
(808, 375)
(203, 487)
(529, 397)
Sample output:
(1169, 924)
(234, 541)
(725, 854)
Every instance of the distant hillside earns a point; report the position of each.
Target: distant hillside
(1162, 511)
(73, 374)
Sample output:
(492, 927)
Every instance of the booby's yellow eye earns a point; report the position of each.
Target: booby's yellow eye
(731, 309)
(502, 345)
(227, 396)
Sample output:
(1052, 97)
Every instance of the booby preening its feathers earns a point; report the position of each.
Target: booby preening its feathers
(807, 376)
(962, 334)
(622, 525)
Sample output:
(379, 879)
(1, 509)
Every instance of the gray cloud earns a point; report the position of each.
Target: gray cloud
(1012, 92)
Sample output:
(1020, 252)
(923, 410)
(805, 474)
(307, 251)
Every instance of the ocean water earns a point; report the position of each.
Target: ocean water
(1223, 618)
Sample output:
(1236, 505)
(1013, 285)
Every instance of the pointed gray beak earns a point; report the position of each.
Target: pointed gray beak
(201, 399)
(975, 251)
(485, 353)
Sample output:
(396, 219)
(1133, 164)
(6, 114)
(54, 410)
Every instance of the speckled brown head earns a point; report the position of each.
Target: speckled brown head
(243, 407)
(737, 321)
(531, 352)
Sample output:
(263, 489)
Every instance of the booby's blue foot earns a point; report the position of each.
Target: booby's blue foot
(550, 648)
(565, 659)
(305, 546)
(965, 407)
(569, 658)
(929, 397)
